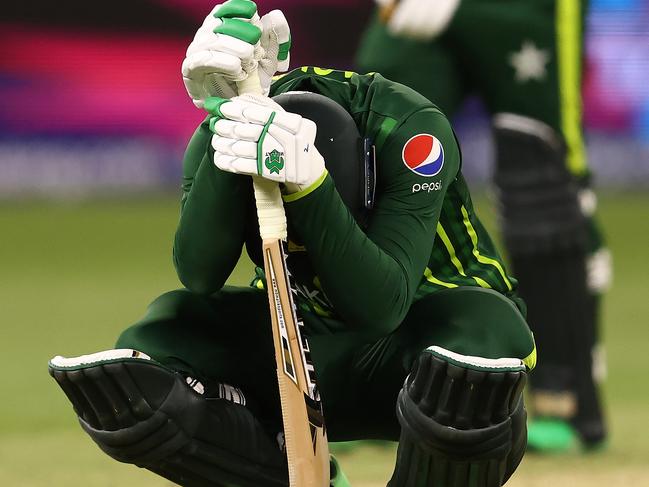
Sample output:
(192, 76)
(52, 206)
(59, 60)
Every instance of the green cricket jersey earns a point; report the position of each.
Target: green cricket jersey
(423, 235)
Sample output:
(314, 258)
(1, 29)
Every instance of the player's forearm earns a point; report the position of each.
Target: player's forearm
(210, 233)
(366, 285)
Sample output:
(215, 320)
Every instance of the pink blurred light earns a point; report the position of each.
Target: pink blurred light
(88, 82)
(200, 8)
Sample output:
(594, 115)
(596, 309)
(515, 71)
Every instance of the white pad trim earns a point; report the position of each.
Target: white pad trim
(498, 363)
(527, 125)
(115, 354)
(599, 271)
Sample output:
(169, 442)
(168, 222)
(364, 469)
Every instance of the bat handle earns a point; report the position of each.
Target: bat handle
(251, 84)
(386, 10)
(270, 210)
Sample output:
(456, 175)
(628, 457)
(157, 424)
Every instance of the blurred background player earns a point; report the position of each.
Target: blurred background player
(524, 60)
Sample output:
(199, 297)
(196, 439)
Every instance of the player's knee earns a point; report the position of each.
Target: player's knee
(462, 419)
(135, 337)
(539, 197)
(476, 322)
(171, 307)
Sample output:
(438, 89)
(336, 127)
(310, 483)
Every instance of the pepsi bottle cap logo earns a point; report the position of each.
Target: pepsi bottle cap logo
(423, 154)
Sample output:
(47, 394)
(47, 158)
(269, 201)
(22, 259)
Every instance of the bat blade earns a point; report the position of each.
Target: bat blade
(304, 429)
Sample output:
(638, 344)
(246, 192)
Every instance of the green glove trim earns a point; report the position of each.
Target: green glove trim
(213, 105)
(240, 29)
(260, 144)
(236, 8)
(284, 49)
(288, 198)
(213, 121)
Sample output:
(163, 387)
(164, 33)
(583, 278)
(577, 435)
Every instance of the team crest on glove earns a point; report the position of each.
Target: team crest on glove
(274, 161)
(254, 135)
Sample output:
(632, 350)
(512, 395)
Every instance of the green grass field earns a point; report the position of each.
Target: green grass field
(75, 274)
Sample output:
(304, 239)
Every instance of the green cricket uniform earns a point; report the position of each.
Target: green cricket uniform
(422, 272)
(522, 57)
(519, 56)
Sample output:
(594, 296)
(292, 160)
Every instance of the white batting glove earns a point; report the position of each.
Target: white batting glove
(254, 135)
(421, 20)
(231, 43)
(275, 45)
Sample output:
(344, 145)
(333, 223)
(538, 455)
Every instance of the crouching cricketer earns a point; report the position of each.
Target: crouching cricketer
(415, 330)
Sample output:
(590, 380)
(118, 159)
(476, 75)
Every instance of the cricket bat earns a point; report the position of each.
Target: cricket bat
(305, 435)
(386, 10)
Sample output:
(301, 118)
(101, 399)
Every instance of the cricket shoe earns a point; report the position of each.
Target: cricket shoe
(548, 435)
(138, 411)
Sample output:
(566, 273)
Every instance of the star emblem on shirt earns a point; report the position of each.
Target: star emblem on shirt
(530, 62)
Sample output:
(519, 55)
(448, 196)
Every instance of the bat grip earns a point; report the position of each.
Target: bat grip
(270, 210)
(251, 84)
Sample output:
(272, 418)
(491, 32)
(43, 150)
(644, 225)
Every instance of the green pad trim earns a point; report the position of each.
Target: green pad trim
(530, 360)
(240, 29)
(236, 8)
(284, 49)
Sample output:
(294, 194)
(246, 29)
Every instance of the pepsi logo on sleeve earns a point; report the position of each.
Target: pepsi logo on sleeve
(423, 154)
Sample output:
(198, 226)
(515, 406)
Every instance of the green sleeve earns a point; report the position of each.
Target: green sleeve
(211, 230)
(371, 278)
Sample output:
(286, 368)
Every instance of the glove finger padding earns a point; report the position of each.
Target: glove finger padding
(242, 111)
(255, 136)
(223, 51)
(233, 130)
(276, 40)
(205, 69)
(211, 42)
(235, 147)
